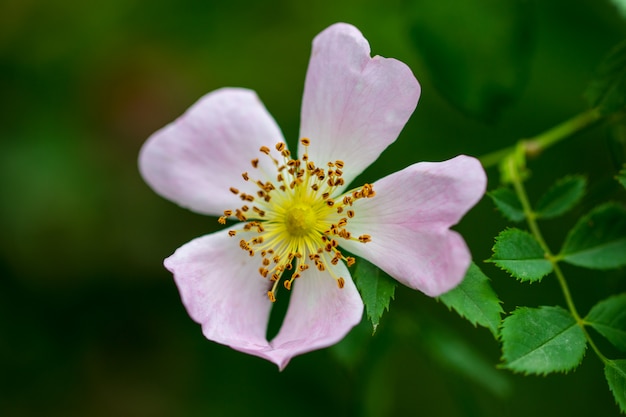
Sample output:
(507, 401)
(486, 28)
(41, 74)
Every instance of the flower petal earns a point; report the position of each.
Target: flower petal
(195, 160)
(408, 221)
(354, 106)
(319, 315)
(222, 290)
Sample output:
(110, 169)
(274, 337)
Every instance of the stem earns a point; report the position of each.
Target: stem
(539, 143)
(531, 220)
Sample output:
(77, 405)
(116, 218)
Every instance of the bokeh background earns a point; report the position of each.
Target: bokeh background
(91, 324)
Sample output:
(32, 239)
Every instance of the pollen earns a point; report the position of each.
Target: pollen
(297, 217)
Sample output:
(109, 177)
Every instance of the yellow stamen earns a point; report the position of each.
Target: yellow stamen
(299, 220)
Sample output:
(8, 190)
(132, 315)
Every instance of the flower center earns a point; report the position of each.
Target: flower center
(300, 220)
(296, 221)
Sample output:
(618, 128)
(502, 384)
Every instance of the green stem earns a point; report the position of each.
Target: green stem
(531, 220)
(539, 143)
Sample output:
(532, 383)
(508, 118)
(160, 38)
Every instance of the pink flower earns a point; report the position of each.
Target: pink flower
(226, 157)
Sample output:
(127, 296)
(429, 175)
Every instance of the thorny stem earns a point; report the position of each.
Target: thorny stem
(531, 219)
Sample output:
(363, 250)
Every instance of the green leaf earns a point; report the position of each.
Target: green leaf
(518, 253)
(598, 240)
(542, 340)
(608, 317)
(615, 373)
(621, 177)
(475, 300)
(376, 288)
(488, 69)
(607, 91)
(561, 197)
(509, 205)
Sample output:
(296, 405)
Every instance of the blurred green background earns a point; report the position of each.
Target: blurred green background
(91, 324)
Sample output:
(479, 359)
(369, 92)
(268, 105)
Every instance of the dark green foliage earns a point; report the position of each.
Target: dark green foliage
(475, 300)
(598, 240)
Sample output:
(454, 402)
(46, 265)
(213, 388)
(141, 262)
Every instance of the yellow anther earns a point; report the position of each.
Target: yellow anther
(295, 218)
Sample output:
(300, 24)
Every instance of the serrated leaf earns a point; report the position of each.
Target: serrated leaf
(608, 317)
(615, 373)
(561, 197)
(509, 205)
(475, 300)
(519, 253)
(487, 70)
(598, 240)
(542, 340)
(621, 177)
(607, 91)
(376, 288)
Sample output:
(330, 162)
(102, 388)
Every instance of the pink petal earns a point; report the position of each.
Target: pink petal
(320, 314)
(408, 221)
(354, 106)
(195, 160)
(222, 290)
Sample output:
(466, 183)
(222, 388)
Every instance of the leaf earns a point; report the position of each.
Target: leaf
(488, 69)
(509, 205)
(518, 253)
(598, 240)
(475, 300)
(615, 373)
(621, 177)
(561, 197)
(542, 340)
(376, 288)
(608, 317)
(607, 91)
